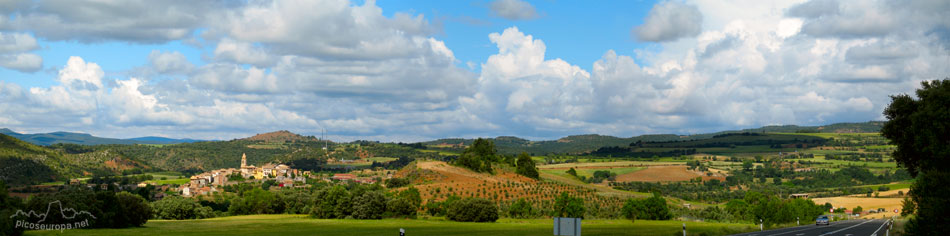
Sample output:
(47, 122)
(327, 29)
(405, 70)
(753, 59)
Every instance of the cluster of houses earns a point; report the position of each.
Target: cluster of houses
(208, 182)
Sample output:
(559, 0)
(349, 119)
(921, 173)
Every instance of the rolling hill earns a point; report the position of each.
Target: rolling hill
(46, 139)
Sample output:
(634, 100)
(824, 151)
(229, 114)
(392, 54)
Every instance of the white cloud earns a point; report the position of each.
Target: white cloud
(513, 9)
(13, 52)
(81, 75)
(669, 21)
(169, 62)
(308, 65)
(24, 62)
(138, 21)
(243, 53)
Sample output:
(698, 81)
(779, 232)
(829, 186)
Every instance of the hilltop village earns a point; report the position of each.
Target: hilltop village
(205, 183)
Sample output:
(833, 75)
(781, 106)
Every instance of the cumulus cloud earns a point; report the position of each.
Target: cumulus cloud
(363, 75)
(138, 21)
(14, 52)
(169, 62)
(513, 9)
(669, 21)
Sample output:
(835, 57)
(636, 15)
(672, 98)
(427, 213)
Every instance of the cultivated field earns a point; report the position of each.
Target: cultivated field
(889, 204)
(665, 174)
(438, 180)
(302, 225)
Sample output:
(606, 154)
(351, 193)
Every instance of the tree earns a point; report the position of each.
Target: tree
(331, 203)
(256, 201)
(567, 206)
(526, 166)
(747, 165)
(857, 210)
(920, 128)
(370, 205)
(473, 210)
(479, 156)
(134, 210)
(401, 207)
(908, 207)
(178, 208)
(412, 194)
(520, 209)
(572, 172)
(8, 207)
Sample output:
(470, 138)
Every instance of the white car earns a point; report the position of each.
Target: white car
(822, 220)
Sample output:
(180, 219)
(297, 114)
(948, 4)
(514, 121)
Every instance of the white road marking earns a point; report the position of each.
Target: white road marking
(832, 232)
(879, 228)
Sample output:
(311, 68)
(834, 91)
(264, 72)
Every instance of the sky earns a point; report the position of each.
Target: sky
(420, 70)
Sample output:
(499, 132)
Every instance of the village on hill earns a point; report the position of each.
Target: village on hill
(285, 176)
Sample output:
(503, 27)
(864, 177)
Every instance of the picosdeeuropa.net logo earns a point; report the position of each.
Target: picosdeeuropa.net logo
(55, 217)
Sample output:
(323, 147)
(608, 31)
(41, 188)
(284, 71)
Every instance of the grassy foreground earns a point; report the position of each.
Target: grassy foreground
(302, 225)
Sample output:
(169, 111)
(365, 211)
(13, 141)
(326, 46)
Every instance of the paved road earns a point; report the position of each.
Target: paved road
(842, 228)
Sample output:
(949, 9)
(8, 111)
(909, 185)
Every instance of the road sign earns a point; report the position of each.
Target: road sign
(895, 210)
(567, 226)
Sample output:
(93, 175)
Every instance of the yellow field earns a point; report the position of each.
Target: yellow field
(607, 164)
(889, 204)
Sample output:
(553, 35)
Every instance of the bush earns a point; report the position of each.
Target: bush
(473, 210)
(178, 208)
(331, 203)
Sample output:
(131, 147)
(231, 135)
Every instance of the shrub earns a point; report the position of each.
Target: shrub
(473, 210)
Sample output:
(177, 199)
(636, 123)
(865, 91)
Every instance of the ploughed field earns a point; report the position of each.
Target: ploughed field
(438, 180)
(303, 225)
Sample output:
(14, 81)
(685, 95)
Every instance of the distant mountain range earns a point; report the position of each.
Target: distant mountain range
(567, 144)
(46, 139)
(576, 144)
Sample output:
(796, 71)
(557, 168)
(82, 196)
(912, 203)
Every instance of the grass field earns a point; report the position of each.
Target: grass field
(302, 225)
(171, 177)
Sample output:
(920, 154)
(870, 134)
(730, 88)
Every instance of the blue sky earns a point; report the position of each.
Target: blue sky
(419, 70)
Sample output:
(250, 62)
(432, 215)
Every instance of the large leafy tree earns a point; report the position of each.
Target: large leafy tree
(479, 156)
(527, 167)
(921, 130)
(567, 206)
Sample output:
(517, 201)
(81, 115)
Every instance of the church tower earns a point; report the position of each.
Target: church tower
(243, 160)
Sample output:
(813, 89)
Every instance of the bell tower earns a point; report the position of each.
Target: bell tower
(243, 160)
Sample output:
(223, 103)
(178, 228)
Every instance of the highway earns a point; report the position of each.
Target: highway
(843, 228)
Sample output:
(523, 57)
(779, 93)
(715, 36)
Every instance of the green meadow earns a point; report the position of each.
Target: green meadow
(303, 225)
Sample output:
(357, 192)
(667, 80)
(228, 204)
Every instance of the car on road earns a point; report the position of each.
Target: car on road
(822, 220)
